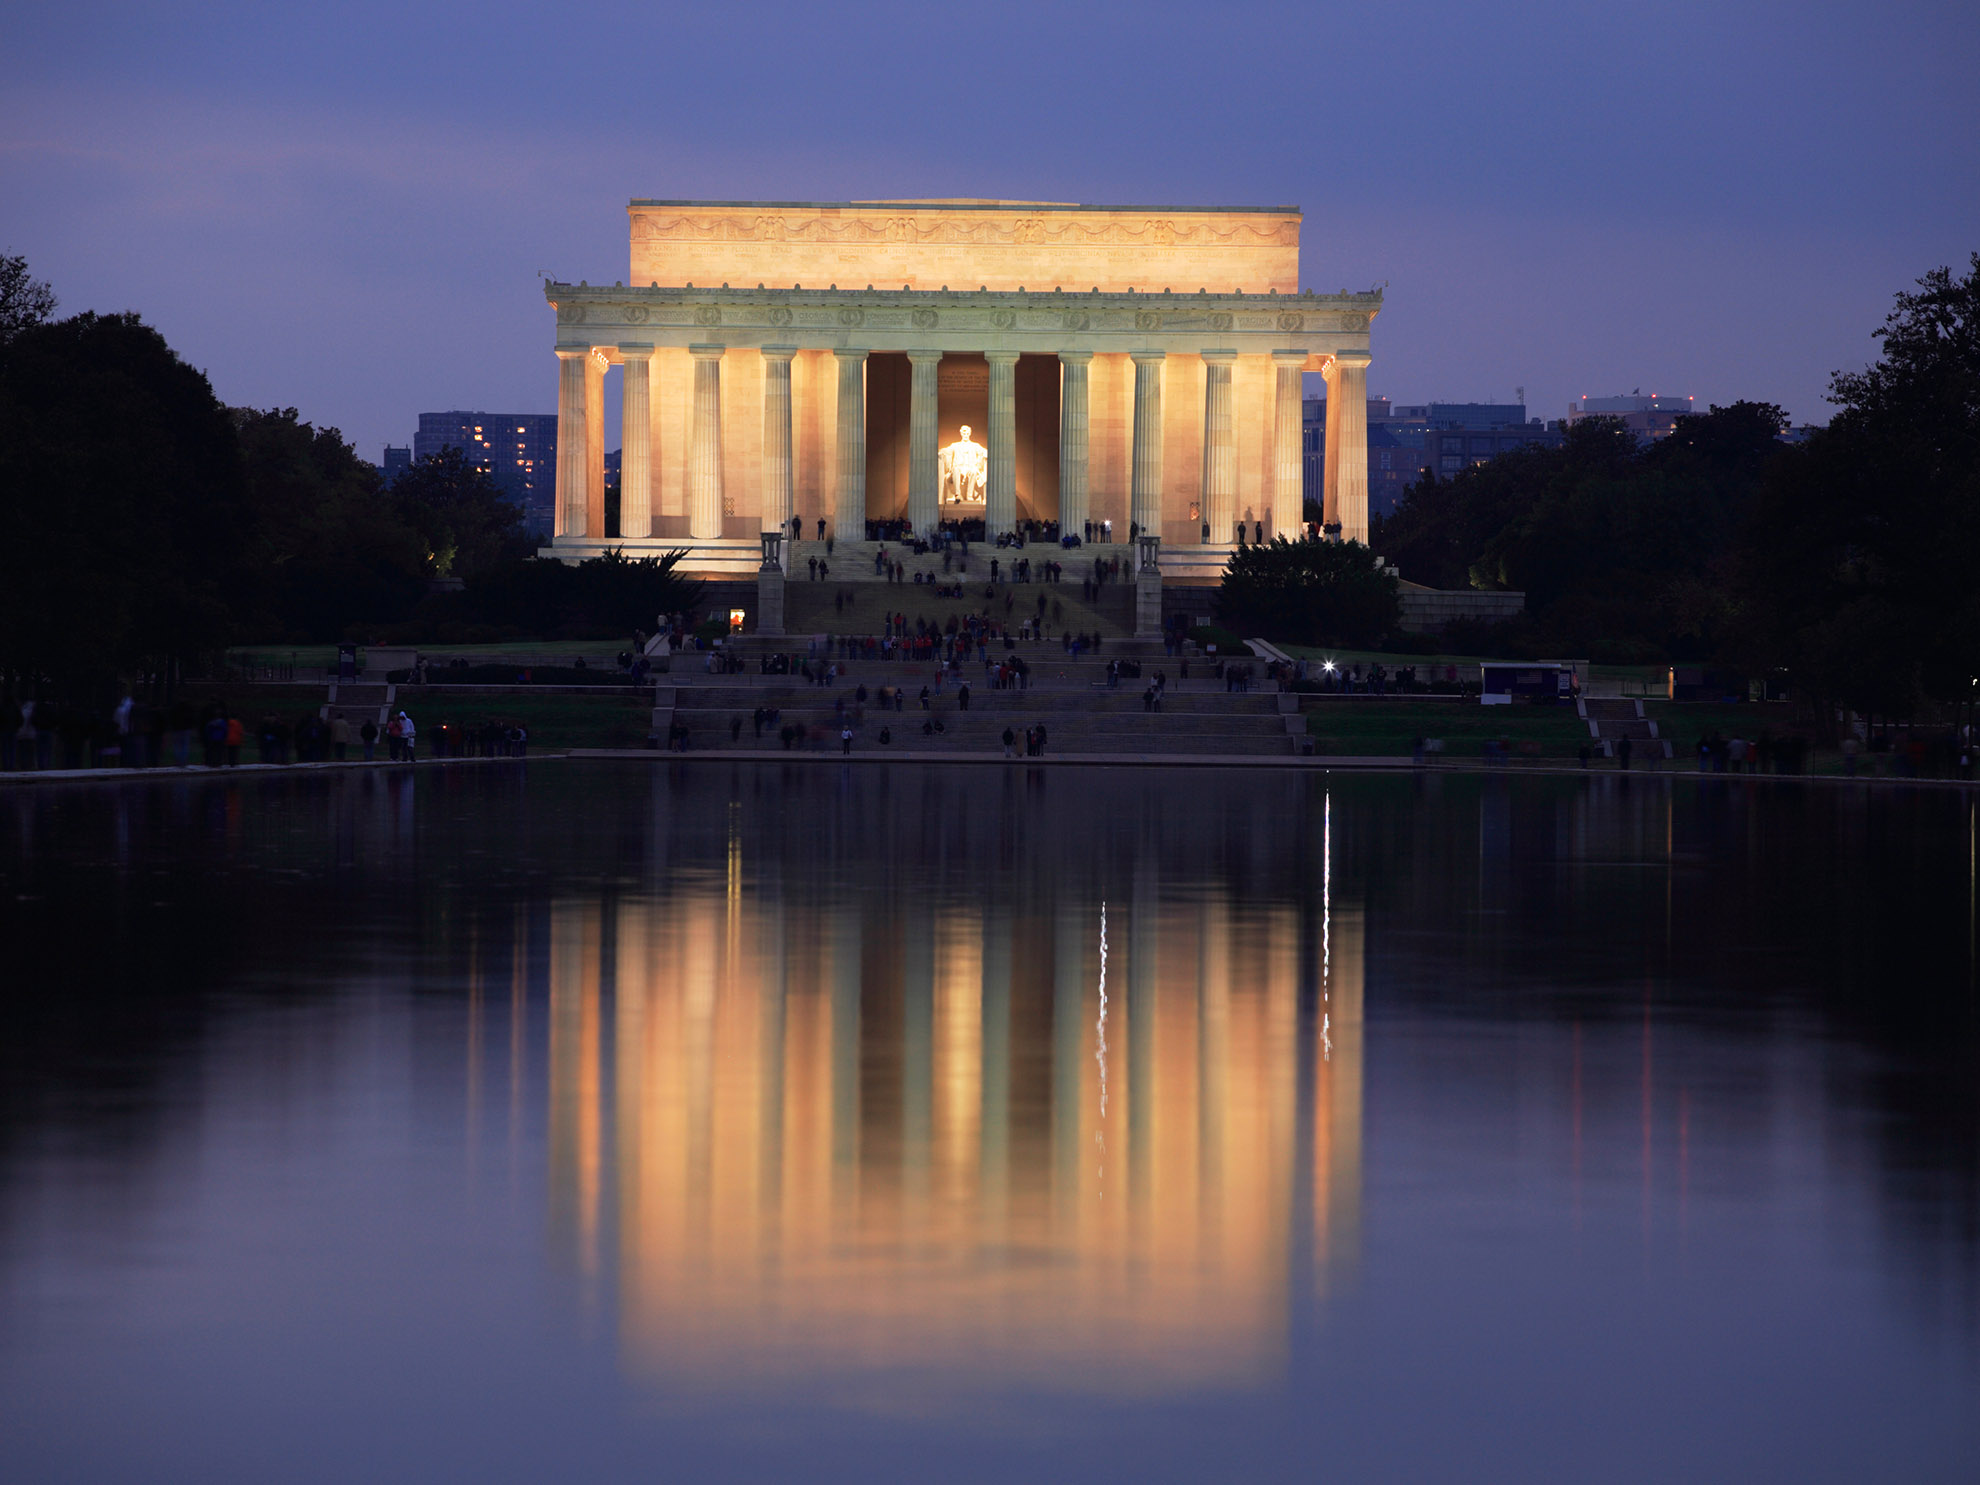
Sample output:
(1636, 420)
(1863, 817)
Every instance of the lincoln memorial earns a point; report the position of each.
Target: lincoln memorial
(1122, 372)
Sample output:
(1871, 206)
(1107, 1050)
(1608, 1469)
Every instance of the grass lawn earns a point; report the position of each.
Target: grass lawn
(1384, 728)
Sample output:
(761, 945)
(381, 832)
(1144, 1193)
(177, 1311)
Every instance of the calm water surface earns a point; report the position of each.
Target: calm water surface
(616, 1122)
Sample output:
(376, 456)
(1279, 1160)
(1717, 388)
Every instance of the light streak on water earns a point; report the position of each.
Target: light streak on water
(1100, 1049)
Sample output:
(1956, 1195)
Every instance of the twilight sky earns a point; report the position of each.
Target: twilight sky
(345, 207)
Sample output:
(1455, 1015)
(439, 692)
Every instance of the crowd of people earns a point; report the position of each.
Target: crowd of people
(41, 735)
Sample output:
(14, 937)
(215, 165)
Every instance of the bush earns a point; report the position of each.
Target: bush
(1310, 592)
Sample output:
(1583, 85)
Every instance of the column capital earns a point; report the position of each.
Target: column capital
(1352, 360)
(707, 352)
(923, 358)
(1219, 357)
(635, 352)
(779, 352)
(995, 357)
(573, 352)
(1147, 358)
(1291, 358)
(849, 353)
(1075, 358)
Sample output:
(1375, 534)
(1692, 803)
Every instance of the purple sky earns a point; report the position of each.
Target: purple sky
(345, 207)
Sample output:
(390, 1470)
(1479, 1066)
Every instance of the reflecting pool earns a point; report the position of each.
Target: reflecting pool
(598, 1121)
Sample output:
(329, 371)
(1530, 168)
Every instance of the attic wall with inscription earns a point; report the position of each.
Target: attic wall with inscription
(935, 246)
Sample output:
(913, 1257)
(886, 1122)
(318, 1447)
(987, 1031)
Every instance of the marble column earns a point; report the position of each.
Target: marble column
(849, 507)
(705, 446)
(777, 468)
(1330, 455)
(594, 443)
(1219, 446)
(1000, 496)
(636, 447)
(924, 434)
(572, 469)
(1347, 443)
(1074, 504)
(1288, 499)
(1145, 482)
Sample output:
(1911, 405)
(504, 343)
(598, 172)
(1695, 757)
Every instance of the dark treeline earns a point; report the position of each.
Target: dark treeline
(144, 526)
(1850, 561)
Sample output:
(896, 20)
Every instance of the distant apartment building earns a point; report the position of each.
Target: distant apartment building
(1649, 418)
(518, 450)
(396, 462)
(1407, 439)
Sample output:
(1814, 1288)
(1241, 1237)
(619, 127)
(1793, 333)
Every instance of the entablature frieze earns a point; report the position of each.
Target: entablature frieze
(900, 320)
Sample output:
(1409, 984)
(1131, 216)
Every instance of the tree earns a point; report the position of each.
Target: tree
(330, 549)
(468, 522)
(1621, 551)
(123, 512)
(24, 301)
(1860, 566)
(606, 596)
(1309, 592)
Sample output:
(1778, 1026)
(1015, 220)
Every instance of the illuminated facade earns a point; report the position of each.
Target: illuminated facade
(789, 361)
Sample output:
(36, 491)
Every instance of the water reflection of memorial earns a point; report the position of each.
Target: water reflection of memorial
(844, 1137)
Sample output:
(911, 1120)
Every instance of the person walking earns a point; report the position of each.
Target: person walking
(408, 736)
(368, 735)
(846, 739)
(340, 737)
(1010, 743)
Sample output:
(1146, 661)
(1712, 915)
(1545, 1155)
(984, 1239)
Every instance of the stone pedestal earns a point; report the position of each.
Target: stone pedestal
(770, 601)
(1148, 604)
(1148, 587)
(770, 585)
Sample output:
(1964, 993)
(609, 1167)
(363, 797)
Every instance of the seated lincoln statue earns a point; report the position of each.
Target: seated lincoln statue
(964, 467)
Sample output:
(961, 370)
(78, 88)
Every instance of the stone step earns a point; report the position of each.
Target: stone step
(1071, 703)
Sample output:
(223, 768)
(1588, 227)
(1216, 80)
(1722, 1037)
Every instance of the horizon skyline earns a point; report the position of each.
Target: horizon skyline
(1724, 203)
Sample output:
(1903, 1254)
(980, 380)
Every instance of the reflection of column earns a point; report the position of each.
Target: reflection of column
(636, 445)
(845, 976)
(1074, 504)
(849, 515)
(996, 1087)
(1139, 940)
(705, 447)
(923, 436)
(1347, 444)
(957, 1059)
(1069, 1064)
(575, 1118)
(777, 486)
(1000, 499)
(918, 1071)
(1288, 497)
(572, 468)
(1145, 497)
(1219, 447)
(1337, 1096)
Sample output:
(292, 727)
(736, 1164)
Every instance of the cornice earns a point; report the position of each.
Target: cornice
(842, 311)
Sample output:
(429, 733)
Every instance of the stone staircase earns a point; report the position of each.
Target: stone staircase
(1080, 712)
(852, 561)
(1611, 719)
(856, 608)
(357, 702)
